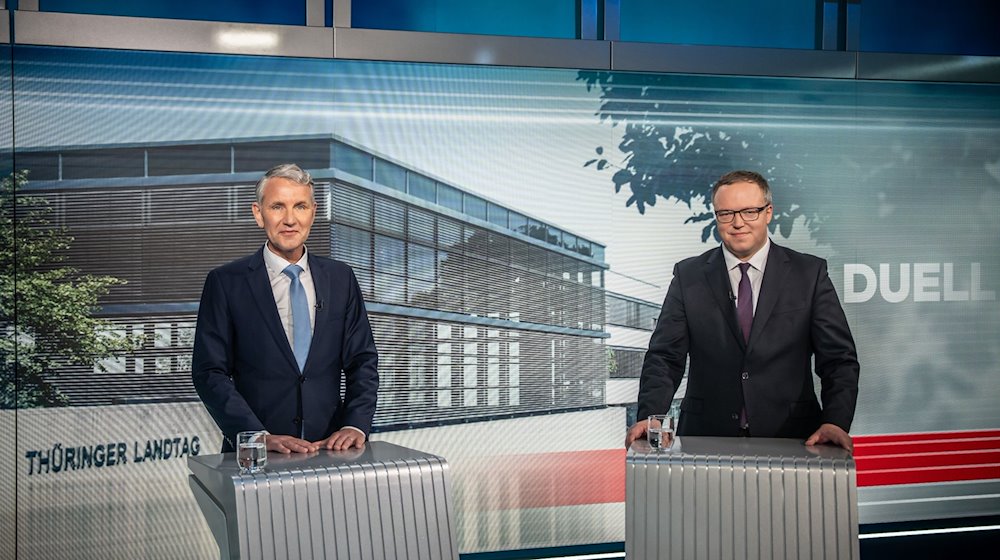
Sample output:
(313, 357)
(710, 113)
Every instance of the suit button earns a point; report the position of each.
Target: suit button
(735, 416)
(297, 420)
(302, 379)
(745, 376)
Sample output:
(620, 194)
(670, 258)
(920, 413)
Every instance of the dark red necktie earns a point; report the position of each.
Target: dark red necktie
(744, 302)
(744, 313)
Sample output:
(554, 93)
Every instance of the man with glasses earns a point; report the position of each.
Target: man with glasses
(755, 319)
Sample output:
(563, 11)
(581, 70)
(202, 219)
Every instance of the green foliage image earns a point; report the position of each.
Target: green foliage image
(46, 308)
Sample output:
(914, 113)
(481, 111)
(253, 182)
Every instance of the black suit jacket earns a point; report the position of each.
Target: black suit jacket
(245, 371)
(798, 321)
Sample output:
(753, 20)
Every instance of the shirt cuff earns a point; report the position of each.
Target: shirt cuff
(359, 430)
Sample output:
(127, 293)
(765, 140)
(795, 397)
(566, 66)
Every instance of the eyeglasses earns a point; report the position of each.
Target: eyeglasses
(748, 214)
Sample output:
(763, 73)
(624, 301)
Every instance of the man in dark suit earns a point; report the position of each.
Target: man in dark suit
(282, 330)
(754, 318)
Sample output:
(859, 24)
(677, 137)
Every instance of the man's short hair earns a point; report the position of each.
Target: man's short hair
(288, 171)
(743, 177)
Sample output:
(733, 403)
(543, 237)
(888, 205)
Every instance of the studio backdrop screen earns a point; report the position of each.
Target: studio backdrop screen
(514, 233)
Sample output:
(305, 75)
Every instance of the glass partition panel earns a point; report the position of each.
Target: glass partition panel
(526, 18)
(737, 23)
(242, 11)
(8, 349)
(930, 27)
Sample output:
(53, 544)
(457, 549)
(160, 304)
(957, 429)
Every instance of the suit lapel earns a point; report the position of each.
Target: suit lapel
(771, 288)
(321, 283)
(263, 296)
(718, 281)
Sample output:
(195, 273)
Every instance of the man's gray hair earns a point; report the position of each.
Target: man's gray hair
(288, 171)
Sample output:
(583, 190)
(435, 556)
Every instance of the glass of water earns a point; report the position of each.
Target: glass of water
(660, 431)
(251, 451)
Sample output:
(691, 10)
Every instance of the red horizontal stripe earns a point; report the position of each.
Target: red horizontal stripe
(916, 458)
(925, 475)
(937, 436)
(926, 446)
(598, 477)
(924, 460)
(547, 480)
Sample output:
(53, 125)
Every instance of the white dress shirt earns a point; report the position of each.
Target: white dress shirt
(756, 272)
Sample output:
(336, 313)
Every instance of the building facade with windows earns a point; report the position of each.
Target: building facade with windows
(479, 311)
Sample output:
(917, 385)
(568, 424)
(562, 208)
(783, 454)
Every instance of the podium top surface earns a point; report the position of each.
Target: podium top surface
(685, 448)
(211, 468)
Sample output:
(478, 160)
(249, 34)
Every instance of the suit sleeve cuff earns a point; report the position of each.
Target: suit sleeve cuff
(359, 430)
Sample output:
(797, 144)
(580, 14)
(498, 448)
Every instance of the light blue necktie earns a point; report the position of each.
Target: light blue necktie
(301, 329)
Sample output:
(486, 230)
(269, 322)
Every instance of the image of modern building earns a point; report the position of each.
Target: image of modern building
(479, 311)
(630, 323)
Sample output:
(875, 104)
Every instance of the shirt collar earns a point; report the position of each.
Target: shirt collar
(276, 264)
(758, 260)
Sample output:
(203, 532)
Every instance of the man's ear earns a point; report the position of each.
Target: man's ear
(257, 215)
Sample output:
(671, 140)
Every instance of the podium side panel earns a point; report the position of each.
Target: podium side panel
(852, 499)
(407, 489)
(238, 526)
(740, 522)
(397, 519)
(285, 526)
(803, 525)
(314, 498)
(301, 526)
(701, 497)
(753, 509)
(264, 547)
(364, 493)
(644, 482)
(726, 504)
(378, 519)
(673, 478)
(689, 487)
(847, 531)
(648, 543)
(829, 503)
(764, 496)
(660, 512)
(816, 511)
(777, 509)
(790, 523)
(272, 526)
(331, 507)
(351, 537)
(714, 508)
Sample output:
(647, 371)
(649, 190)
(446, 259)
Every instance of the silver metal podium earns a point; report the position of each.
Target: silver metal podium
(385, 502)
(740, 498)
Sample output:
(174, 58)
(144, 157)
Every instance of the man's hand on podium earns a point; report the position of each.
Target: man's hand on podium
(344, 438)
(289, 444)
(833, 434)
(637, 431)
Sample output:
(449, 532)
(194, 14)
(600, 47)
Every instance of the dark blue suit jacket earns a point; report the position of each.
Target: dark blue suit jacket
(245, 371)
(798, 321)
